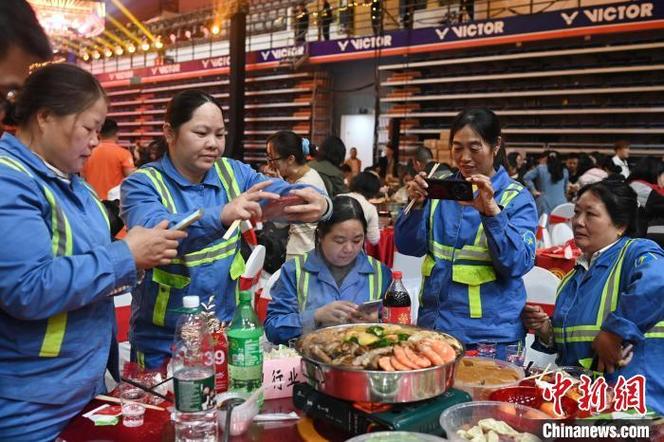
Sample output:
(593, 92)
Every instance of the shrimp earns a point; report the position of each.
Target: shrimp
(430, 354)
(417, 359)
(443, 349)
(400, 354)
(398, 365)
(385, 364)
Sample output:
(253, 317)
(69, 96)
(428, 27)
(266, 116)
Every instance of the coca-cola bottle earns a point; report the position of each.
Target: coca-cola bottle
(396, 303)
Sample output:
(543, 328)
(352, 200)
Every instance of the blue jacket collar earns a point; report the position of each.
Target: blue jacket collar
(166, 165)
(608, 257)
(14, 146)
(315, 263)
(500, 179)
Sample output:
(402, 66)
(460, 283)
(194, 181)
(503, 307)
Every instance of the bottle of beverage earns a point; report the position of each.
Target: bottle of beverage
(193, 373)
(396, 303)
(220, 358)
(245, 358)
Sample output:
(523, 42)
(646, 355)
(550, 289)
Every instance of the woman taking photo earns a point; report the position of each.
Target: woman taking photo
(614, 297)
(190, 176)
(325, 287)
(287, 157)
(548, 182)
(58, 266)
(476, 252)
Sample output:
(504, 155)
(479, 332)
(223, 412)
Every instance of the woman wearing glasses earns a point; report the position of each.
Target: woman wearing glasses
(190, 176)
(287, 156)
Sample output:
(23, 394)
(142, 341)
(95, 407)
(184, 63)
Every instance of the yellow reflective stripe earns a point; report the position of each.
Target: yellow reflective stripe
(227, 178)
(375, 279)
(101, 207)
(472, 253)
(432, 211)
(160, 305)
(657, 331)
(55, 334)
(611, 290)
(474, 301)
(160, 186)
(209, 254)
(301, 280)
(565, 280)
(140, 358)
(237, 266)
(61, 245)
(169, 279)
(510, 192)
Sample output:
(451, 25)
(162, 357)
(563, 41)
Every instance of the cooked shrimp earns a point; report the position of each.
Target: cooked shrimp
(420, 361)
(431, 355)
(398, 365)
(400, 354)
(385, 364)
(443, 349)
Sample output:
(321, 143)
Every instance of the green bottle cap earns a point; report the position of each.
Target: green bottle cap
(245, 296)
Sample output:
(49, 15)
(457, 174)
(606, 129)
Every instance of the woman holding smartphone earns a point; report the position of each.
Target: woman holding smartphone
(475, 252)
(326, 286)
(193, 175)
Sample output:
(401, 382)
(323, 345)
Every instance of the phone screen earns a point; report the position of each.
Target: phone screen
(450, 189)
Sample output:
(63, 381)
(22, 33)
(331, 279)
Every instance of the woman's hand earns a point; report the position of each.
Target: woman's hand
(153, 247)
(335, 313)
(246, 205)
(417, 188)
(312, 211)
(483, 202)
(608, 347)
(534, 318)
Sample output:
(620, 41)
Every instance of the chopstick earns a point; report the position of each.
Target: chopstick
(231, 229)
(410, 205)
(115, 400)
(144, 388)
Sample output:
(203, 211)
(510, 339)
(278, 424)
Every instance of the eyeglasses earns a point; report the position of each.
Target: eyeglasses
(272, 160)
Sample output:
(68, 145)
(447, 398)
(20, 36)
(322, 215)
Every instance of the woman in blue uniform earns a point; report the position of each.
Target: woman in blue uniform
(476, 252)
(325, 286)
(190, 176)
(58, 267)
(614, 296)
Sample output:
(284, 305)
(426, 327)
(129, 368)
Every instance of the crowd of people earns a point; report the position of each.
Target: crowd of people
(62, 262)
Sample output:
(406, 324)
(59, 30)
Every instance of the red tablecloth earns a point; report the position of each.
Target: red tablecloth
(384, 250)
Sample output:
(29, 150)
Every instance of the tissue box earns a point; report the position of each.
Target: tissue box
(279, 376)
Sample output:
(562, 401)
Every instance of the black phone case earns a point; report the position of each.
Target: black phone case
(450, 189)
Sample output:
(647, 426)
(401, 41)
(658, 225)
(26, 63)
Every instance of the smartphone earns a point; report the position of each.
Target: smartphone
(368, 308)
(186, 222)
(450, 189)
(274, 210)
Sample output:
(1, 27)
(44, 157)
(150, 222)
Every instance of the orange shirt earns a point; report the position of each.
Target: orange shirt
(105, 168)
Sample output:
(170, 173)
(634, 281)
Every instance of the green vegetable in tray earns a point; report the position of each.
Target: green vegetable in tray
(376, 330)
(403, 337)
(382, 342)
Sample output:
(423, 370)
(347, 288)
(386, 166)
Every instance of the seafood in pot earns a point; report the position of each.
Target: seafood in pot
(384, 347)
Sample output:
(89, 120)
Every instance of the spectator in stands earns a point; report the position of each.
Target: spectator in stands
(347, 16)
(58, 266)
(23, 43)
(192, 176)
(287, 155)
(301, 23)
(407, 13)
(325, 286)
(644, 180)
(364, 187)
(548, 182)
(325, 17)
(572, 164)
(354, 162)
(377, 17)
(109, 163)
(621, 149)
(476, 253)
(328, 162)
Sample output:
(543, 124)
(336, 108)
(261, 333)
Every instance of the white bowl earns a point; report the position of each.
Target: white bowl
(241, 416)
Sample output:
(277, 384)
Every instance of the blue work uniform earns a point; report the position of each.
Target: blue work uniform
(623, 293)
(57, 320)
(472, 286)
(206, 266)
(306, 284)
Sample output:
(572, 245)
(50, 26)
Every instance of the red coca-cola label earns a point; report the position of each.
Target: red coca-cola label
(220, 361)
(396, 315)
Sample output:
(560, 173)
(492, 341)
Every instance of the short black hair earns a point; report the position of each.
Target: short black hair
(344, 208)
(366, 184)
(332, 150)
(648, 169)
(183, 105)
(109, 128)
(288, 143)
(423, 155)
(485, 123)
(620, 202)
(61, 88)
(19, 27)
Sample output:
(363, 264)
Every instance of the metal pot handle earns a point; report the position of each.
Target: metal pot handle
(318, 378)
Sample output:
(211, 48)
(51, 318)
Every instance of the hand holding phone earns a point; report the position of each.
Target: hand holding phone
(274, 210)
(450, 189)
(186, 222)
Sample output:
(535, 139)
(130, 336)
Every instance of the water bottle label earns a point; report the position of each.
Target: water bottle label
(194, 395)
(396, 315)
(245, 352)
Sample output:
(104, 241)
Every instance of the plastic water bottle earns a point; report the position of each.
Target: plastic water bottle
(193, 373)
(245, 362)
